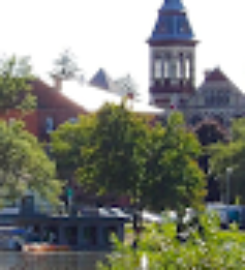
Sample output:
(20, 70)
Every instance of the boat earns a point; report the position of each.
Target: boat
(44, 247)
(11, 238)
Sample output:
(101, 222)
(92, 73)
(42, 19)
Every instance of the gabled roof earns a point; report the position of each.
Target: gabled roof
(172, 24)
(102, 80)
(217, 78)
(93, 98)
(49, 98)
(216, 75)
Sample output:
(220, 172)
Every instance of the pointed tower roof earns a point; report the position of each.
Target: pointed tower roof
(172, 5)
(102, 80)
(172, 25)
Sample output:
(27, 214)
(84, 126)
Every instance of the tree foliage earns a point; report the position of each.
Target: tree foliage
(173, 177)
(209, 248)
(119, 152)
(24, 166)
(115, 162)
(231, 155)
(15, 87)
(69, 142)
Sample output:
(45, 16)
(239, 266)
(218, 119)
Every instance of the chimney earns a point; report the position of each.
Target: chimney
(57, 82)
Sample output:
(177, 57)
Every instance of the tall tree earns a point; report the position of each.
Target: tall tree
(15, 87)
(114, 162)
(24, 165)
(119, 152)
(174, 179)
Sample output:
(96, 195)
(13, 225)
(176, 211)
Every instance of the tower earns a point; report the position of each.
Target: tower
(172, 57)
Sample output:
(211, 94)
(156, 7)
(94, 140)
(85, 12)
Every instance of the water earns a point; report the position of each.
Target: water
(50, 261)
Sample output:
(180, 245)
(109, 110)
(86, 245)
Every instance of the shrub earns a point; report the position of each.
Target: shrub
(206, 247)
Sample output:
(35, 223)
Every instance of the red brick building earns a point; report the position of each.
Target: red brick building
(53, 108)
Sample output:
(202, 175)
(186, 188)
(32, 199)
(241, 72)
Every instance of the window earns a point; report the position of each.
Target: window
(49, 124)
(217, 98)
(187, 68)
(172, 69)
(11, 121)
(158, 68)
(73, 120)
(166, 69)
(178, 68)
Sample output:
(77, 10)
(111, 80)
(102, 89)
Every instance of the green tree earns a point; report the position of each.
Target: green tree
(230, 155)
(114, 161)
(68, 143)
(15, 87)
(24, 165)
(174, 179)
(104, 152)
(119, 152)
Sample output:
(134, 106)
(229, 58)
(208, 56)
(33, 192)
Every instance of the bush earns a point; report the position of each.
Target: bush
(206, 247)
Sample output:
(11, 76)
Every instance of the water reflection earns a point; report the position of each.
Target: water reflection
(50, 261)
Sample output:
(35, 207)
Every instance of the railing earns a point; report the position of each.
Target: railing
(50, 261)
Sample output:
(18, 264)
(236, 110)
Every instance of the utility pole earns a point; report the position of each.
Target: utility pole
(229, 171)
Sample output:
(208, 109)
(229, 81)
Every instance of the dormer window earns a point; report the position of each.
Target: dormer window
(184, 28)
(162, 28)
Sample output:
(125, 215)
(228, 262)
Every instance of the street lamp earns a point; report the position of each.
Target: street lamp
(229, 171)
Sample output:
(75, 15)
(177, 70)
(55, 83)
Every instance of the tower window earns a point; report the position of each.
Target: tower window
(174, 68)
(158, 68)
(187, 68)
(166, 69)
(178, 68)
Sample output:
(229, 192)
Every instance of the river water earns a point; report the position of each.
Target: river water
(50, 261)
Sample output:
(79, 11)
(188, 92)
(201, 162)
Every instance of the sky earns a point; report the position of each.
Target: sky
(112, 34)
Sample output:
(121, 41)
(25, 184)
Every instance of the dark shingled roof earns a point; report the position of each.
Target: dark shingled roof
(216, 75)
(172, 24)
(102, 80)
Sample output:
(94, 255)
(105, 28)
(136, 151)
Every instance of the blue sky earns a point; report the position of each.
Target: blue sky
(112, 34)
